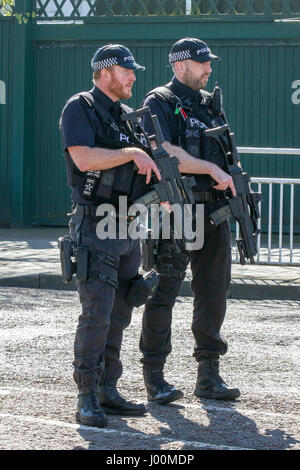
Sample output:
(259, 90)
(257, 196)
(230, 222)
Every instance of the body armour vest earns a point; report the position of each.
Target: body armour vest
(193, 119)
(105, 186)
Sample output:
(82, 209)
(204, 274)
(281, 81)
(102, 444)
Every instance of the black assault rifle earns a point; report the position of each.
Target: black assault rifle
(244, 206)
(172, 187)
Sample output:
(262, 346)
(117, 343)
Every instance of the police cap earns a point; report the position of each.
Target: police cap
(191, 48)
(114, 54)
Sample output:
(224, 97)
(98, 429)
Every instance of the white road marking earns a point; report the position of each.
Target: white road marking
(284, 414)
(62, 424)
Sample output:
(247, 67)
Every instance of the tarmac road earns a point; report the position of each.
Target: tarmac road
(38, 396)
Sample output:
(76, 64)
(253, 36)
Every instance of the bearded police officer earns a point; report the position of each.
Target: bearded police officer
(100, 152)
(184, 111)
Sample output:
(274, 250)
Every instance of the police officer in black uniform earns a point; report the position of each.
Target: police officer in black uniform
(184, 111)
(100, 152)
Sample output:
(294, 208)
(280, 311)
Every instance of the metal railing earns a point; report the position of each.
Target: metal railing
(269, 254)
(59, 9)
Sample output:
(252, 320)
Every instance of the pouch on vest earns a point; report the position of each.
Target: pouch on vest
(192, 142)
(124, 178)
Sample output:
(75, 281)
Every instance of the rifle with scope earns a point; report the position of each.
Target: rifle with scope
(173, 187)
(244, 207)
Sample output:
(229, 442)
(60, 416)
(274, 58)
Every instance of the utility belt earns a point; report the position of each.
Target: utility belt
(87, 209)
(91, 210)
(210, 195)
(91, 265)
(77, 260)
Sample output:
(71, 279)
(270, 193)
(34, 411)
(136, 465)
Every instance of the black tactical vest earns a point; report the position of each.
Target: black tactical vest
(193, 119)
(105, 186)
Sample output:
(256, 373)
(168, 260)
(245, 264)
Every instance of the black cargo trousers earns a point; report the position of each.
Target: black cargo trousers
(211, 275)
(105, 313)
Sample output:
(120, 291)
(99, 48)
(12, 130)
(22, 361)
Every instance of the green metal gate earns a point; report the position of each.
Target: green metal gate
(259, 73)
(6, 29)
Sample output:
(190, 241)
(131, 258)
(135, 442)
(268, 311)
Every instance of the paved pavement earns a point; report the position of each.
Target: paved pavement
(38, 395)
(30, 258)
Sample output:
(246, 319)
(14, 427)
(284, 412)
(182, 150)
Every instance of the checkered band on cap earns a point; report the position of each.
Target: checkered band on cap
(181, 55)
(105, 63)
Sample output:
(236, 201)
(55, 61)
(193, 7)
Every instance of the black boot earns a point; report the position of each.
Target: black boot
(89, 411)
(114, 404)
(158, 390)
(209, 382)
